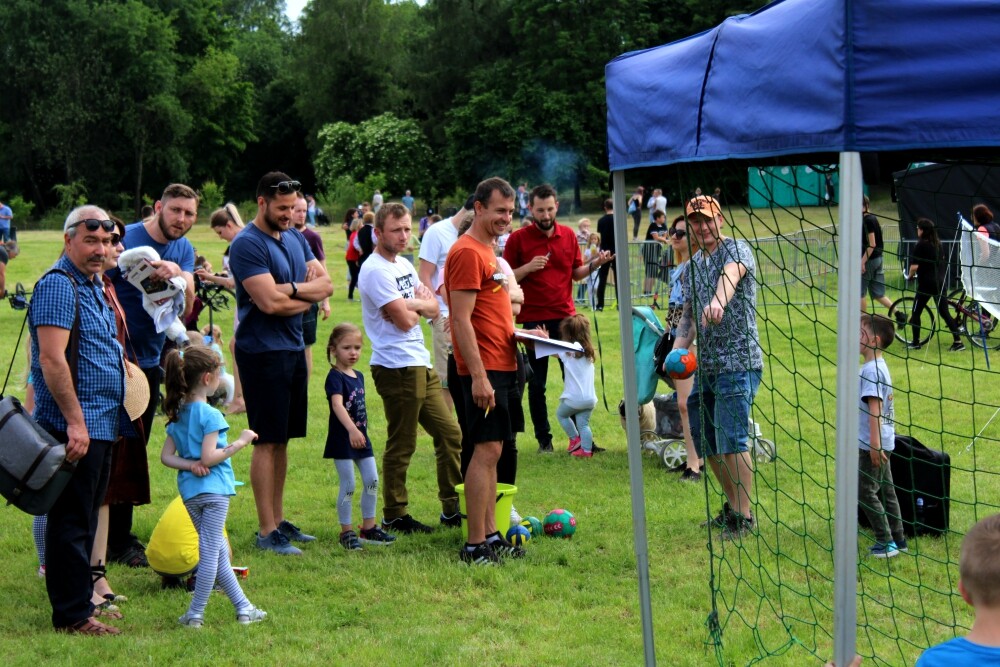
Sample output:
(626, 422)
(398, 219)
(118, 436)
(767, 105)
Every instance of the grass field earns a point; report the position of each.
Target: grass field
(569, 602)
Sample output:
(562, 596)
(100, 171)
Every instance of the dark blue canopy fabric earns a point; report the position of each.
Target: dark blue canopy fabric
(810, 76)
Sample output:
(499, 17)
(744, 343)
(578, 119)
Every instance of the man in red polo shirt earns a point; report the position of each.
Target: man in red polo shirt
(546, 260)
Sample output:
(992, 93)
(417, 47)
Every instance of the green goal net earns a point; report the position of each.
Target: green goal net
(772, 589)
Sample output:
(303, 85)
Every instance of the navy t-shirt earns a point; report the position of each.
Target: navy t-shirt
(254, 253)
(147, 343)
(352, 392)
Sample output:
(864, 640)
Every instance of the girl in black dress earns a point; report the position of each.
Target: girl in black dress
(924, 266)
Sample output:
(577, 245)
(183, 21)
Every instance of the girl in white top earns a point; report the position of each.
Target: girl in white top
(579, 398)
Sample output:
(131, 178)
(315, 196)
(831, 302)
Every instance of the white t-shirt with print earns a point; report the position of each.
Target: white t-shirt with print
(382, 282)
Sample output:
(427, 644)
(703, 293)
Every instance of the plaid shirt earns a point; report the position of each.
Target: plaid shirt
(100, 376)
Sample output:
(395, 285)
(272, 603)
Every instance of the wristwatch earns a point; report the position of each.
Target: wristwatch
(295, 291)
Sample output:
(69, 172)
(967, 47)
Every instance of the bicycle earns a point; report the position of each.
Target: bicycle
(977, 323)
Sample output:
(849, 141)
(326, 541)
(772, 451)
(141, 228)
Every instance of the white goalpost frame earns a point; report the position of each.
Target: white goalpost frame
(631, 389)
(845, 554)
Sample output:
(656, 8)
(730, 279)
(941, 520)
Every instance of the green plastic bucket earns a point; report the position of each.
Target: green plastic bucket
(505, 501)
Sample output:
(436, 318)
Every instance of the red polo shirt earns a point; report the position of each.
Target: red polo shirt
(548, 294)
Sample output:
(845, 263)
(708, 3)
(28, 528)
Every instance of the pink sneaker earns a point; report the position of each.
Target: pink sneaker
(574, 444)
(581, 452)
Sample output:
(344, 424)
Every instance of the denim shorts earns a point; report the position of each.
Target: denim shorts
(719, 411)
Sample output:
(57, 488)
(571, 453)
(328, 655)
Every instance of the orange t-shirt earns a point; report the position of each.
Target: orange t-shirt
(473, 266)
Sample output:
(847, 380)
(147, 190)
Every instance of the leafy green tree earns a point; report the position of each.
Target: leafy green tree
(382, 145)
(222, 108)
(341, 61)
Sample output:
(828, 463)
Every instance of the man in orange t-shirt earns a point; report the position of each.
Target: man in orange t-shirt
(483, 338)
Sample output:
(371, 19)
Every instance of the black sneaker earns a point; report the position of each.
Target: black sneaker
(451, 521)
(914, 346)
(481, 555)
(375, 536)
(406, 525)
(595, 448)
(738, 527)
(349, 540)
(134, 555)
(545, 446)
(505, 549)
(900, 319)
(690, 476)
(957, 346)
(720, 520)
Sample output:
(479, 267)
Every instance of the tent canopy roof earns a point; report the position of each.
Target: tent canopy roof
(811, 76)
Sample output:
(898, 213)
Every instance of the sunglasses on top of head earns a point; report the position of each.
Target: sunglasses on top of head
(93, 225)
(287, 187)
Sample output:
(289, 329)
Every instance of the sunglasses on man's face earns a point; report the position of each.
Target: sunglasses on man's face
(678, 233)
(93, 225)
(287, 187)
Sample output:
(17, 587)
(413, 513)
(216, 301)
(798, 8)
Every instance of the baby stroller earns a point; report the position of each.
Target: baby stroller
(660, 428)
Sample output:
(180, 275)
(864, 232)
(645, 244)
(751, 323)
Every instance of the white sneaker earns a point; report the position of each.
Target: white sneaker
(515, 518)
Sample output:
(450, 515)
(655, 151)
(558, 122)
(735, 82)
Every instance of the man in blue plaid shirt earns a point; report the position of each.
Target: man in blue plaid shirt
(80, 406)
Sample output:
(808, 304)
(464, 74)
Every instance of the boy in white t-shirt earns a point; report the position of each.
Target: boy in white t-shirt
(877, 439)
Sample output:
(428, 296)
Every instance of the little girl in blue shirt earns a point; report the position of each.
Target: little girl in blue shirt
(196, 446)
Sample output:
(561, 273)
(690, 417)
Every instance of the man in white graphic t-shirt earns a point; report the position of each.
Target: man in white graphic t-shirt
(392, 302)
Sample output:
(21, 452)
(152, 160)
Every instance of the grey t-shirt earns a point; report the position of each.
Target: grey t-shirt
(732, 346)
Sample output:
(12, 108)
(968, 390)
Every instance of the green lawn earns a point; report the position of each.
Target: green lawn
(568, 602)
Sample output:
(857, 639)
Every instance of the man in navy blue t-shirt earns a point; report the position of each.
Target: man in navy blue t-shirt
(173, 216)
(277, 280)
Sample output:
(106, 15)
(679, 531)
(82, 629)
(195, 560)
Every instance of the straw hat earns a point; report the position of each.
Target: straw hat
(136, 391)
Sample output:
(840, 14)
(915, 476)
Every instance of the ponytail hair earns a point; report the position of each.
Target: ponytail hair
(182, 373)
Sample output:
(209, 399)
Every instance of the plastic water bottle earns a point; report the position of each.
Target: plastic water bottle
(920, 511)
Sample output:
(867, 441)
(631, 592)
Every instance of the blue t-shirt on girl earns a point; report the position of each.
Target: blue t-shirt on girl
(338, 443)
(194, 421)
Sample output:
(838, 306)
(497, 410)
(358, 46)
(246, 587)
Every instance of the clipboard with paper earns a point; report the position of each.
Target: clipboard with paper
(545, 347)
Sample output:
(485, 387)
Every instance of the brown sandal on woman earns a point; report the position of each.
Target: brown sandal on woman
(89, 626)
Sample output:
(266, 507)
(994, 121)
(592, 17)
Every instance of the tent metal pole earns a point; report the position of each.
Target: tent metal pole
(631, 390)
(845, 555)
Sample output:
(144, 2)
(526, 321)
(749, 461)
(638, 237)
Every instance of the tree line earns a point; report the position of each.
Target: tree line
(108, 100)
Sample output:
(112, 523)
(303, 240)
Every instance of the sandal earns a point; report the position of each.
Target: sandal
(107, 610)
(89, 626)
(98, 572)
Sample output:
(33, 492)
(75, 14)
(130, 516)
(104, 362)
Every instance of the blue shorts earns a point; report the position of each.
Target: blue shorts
(719, 411)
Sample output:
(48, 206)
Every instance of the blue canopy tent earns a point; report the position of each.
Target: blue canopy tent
(794, 78)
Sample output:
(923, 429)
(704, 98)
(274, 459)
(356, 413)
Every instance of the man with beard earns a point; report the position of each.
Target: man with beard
(546, 260)
(393, 300)
(277, 280)
(173, 216)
